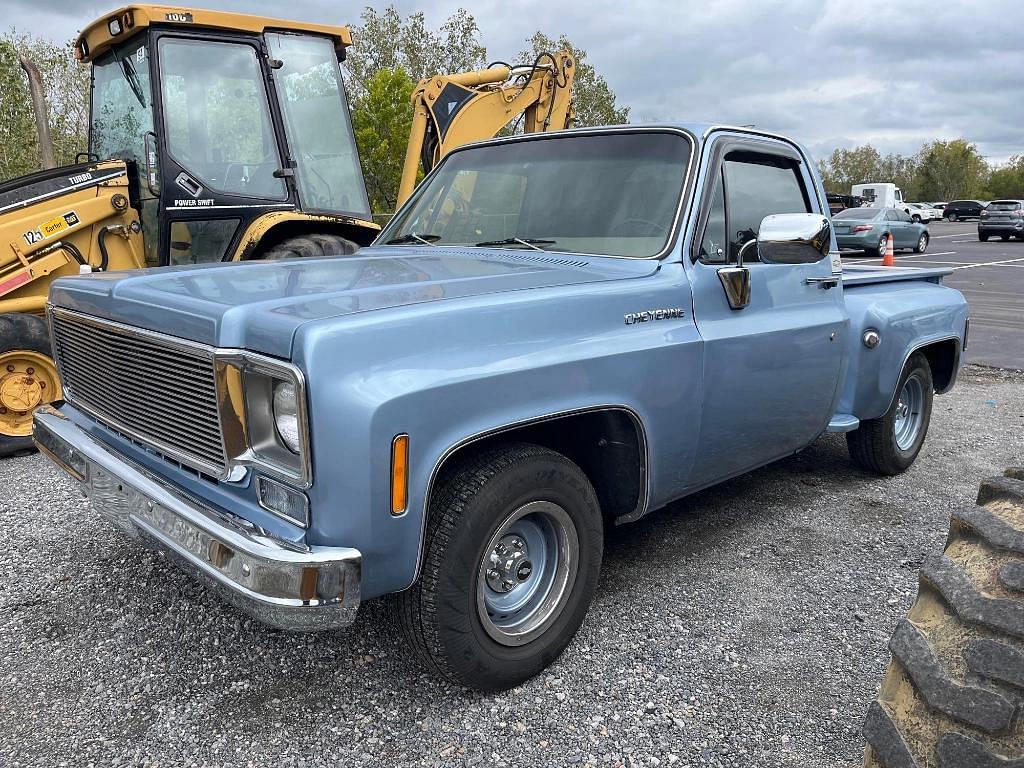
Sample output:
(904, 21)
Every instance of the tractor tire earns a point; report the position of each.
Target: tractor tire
(310, 247)
(28, 379)
(953, 695)
(889, 444)
(511, 559)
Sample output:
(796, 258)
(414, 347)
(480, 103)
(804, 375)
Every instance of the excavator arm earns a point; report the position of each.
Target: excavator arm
(453, 110)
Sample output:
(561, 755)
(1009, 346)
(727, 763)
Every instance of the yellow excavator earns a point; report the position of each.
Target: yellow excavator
(216, 136)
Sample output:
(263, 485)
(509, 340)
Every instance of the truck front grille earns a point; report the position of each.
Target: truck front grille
(157, 389)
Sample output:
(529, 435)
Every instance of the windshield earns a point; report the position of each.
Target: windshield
(614, 194)
(856, 213)
(318, 125)
(122, 111)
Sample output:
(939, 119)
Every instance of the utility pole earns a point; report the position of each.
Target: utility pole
(35, 87)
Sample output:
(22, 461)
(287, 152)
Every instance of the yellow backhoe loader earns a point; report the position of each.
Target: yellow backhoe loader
(213, 136)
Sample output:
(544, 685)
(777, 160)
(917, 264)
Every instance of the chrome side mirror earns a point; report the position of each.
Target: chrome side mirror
(794, 238)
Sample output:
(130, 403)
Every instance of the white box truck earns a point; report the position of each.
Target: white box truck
(877, 194)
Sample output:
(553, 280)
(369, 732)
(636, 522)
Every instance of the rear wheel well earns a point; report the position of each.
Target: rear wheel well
(607, 444)
(943, 358)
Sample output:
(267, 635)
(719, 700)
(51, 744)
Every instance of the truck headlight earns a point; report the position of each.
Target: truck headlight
(286, 414)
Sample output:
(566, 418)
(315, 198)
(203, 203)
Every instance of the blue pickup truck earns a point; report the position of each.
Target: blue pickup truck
(557, 333)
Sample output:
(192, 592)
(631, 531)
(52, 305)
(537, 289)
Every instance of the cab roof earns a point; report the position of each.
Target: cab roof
(129, 20)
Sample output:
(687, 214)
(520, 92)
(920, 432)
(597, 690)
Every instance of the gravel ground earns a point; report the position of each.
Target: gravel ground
(745, 626)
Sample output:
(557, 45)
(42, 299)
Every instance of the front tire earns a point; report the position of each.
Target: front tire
(983, 238)
(889, 444)
(1005, 238)
(310, 247)
(922, 243)
(28, 379)
(511, 561)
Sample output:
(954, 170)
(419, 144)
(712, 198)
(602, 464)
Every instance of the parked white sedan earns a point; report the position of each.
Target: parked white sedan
(922, 212)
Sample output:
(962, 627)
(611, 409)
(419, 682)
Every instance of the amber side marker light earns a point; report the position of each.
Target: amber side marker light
(399, 474)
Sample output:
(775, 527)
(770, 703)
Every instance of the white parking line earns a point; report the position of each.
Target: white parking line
(908, 256)
(955, 234)
(1008, 262)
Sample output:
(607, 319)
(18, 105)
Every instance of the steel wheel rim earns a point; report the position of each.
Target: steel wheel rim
(909, 413)
(883, 245)
(27, 380)
(536, 549)
(922, 243)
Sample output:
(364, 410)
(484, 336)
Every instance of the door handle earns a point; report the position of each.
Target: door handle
(824, 282)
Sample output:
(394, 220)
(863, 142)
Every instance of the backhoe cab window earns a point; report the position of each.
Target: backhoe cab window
(318, 124)
(217, 118)
(122, 103)
(613, 194)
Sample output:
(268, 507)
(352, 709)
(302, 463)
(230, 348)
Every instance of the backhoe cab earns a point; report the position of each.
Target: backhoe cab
(212, 137)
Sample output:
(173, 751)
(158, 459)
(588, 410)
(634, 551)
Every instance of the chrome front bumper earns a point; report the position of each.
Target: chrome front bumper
(280, 583)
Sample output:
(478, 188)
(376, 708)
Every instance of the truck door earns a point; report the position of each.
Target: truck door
(771, 368)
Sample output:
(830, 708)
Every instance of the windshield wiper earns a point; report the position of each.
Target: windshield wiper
(132, 76)
(412, 237)
(529, 242)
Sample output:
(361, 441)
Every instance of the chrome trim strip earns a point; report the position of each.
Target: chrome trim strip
(642, 501)
(675, 231)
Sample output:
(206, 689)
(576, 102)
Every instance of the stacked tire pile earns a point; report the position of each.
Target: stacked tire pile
(953, 696)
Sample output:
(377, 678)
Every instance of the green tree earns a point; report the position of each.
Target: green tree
(1008, 180)
(846, 167)
(595, 100)
(67, 94)
(385, 40)
(951, 170)
(382, 120)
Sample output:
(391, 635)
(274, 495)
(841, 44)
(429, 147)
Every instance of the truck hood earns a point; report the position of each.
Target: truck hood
(259, 305)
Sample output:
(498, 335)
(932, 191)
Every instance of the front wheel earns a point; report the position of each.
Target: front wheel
(28, 379)
(889, 444)
(1005, 238)
(983, 238)
(511, 560)
(922, 243)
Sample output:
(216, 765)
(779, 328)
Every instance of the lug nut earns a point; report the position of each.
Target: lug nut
(42, 385)
(508, 584)
(30, 371)
(493, 573)
(10, 369)
(518, 543)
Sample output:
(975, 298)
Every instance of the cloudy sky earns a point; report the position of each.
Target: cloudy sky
(832, 73)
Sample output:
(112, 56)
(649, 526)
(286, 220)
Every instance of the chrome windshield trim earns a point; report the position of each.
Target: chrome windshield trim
(684, 194)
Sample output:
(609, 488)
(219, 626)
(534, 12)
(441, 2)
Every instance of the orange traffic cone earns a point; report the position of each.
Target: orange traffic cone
(889, 260)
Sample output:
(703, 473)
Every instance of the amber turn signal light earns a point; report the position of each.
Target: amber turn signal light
(399, 474)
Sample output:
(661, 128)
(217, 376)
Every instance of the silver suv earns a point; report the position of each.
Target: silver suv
(1004, 218)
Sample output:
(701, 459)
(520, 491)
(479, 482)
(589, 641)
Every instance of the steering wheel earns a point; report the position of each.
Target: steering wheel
(638, 220)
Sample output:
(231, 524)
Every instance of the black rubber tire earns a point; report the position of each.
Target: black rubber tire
(873, 444)
(1005, 238)
(310, 247)
(951, 217)
(438, 615)
(916, 219)
(922, 243)
(983, 238)
(880, 250)
(18, 331)
(953, 695)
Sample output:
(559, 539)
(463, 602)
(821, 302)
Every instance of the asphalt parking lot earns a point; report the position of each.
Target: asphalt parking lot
(991, 276)
(745, 626)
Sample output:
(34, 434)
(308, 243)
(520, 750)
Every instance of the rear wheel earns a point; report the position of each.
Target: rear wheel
(28, 379)
(952, 694)
(922, 243)
(511, 560)
(951, 216)
(889, 444)
(310, 247)
(882, 245)
(983, 238)
(1004, 238)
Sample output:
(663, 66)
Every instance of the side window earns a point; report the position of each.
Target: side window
(905, 217)
(758, 185)
(712, 244)
(891, 216)
(200, 241)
